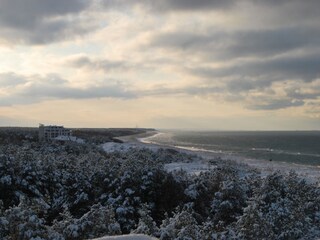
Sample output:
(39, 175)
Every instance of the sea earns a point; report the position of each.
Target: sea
(297, 147)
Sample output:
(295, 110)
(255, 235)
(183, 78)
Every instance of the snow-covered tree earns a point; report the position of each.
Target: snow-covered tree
(182, 226)
(71, 191)
(146, 223)
(99, 221)
(284, 207)
(228, 203)
(23, 223)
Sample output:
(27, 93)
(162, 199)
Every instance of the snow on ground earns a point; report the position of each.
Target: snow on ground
(191, 168)
(117, 147)
(127, 237)
(69, 138)
(120, 147)
(266, 167)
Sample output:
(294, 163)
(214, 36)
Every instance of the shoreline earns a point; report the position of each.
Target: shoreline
(134, 137)
(264, 166)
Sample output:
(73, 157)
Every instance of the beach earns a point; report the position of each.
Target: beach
(265, 167)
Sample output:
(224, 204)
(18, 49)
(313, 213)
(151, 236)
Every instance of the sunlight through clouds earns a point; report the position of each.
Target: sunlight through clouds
(243, 59)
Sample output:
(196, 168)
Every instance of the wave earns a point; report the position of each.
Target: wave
(258, 154)
(199, 149)
(280, 151)
(191, 147)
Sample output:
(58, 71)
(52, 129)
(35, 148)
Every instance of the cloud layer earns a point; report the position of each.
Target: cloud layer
(35, 88)
(261, 56)
(41, 22)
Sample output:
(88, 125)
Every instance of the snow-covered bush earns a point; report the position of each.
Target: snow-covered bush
(99, 221)
(146, 223)
(182, 226)
(228, 203)
(284, 207)
(23, 223)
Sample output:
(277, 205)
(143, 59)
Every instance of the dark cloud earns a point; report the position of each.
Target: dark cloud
(275, 104)
(109, 65)
(250, 62)
(239, 44)
(172, 5)
(41, 21)
(298, 76)
(38, 22)
(10, 79)
(297, 93)
(314, 110)
(282, 2)
(240, 81)
(45, 91)
(270, 42)
(240, 85)
(186, 41)
(265, 72)
(98, 64)
(295, 8)
(208, 5)
(191, 5)
(301, 95)
(52, 86)
(49, 32)
(35, 89)
(194, 91)
(27, 14)
(289, 11)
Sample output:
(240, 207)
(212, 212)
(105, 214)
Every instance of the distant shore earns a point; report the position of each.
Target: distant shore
(134, 138)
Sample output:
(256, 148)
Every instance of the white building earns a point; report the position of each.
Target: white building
(50, 132)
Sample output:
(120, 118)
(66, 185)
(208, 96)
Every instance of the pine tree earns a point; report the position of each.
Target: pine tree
(146, 224)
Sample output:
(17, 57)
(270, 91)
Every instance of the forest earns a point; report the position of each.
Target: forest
(64, 190)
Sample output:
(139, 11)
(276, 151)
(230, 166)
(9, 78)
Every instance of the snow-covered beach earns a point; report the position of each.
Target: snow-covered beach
(266, 167)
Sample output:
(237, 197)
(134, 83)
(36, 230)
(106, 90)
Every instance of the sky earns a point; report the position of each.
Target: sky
(180, 64)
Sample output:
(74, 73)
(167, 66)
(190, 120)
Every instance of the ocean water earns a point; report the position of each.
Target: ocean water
(284, 146)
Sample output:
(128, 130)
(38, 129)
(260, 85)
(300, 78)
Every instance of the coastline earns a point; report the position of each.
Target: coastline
(134, 138)
(265, 167)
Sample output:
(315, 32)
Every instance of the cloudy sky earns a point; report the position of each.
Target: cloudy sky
(205, 64)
